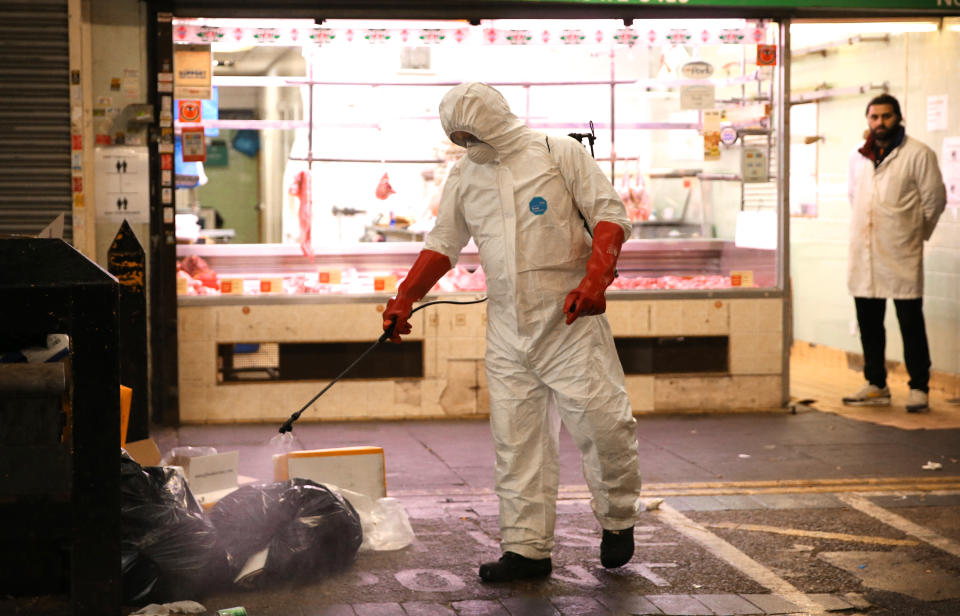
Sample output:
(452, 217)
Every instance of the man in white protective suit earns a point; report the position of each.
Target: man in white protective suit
(524, 197)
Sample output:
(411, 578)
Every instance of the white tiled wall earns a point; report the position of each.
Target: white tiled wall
(916, 66)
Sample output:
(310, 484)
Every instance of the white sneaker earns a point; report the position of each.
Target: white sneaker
(870, 395)
(917, 401)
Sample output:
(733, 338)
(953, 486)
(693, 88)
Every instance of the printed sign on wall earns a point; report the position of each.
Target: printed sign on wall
(192, 69)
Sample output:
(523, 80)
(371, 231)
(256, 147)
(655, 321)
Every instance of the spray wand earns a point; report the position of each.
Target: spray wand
(288, 424)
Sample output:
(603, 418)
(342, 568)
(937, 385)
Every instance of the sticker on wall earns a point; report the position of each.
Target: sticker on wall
(190, 110)
(131, 82)
(166, 177)
(166, 162)
(168, 217)
(115, 84)
(766, 55)
(194, 144)
(166, 195)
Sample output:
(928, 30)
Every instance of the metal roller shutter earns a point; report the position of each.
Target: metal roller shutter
(35, 184)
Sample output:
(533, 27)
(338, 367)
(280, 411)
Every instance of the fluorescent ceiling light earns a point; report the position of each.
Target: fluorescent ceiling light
(854, 27)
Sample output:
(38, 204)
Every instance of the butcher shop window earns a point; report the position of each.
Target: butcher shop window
(308, 361)
(325, 159)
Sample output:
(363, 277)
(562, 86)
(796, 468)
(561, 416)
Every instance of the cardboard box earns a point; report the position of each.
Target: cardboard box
(210, 477)
(145, 452)
(361, 469)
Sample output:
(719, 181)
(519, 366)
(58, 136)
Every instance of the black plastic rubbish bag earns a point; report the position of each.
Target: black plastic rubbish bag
(168, 549)
(308, 531)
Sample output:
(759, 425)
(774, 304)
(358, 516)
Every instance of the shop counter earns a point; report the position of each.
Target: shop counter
(689, 340)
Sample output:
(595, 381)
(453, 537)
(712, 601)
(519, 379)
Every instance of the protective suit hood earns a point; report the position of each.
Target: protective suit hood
(482, 111)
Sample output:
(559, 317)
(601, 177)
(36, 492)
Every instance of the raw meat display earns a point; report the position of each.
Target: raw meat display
(300, 188)
(625, 283)
(384, 189)
(201, 280)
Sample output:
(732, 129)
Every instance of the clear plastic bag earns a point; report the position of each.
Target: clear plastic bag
(386, 525)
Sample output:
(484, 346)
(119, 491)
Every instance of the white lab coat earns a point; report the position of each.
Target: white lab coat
(522, 212)
(895, 208)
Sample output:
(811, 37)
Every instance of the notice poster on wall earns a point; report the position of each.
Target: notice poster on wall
(937, 112)
(711, 134)
(950, 164)
(192, 70)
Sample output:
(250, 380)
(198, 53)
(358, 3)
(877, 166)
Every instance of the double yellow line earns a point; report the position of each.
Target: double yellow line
(787, 486)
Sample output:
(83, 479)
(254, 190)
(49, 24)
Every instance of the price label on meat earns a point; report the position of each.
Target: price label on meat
(271, 285)
(385, 283)
(332, 276)
(741, 278)
(231, 286)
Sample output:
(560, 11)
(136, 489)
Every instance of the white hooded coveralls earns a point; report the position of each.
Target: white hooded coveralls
(895, 207)
(522, 211)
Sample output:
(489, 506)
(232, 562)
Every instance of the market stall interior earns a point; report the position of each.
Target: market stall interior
(325, 162)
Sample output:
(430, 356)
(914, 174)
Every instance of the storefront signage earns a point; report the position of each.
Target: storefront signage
(189, 33)
(697, 97)
(697, 69)
(931, 5)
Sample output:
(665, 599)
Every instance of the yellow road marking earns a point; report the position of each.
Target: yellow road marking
(901, 523)
(713, 488)
(734, 557)
(799, 532)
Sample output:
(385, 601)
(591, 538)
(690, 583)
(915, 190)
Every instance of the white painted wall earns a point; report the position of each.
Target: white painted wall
(117, 44)
(916, 65)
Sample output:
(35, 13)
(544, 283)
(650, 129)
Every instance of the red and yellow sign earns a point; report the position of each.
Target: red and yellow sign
(190, 111)
(766, 55)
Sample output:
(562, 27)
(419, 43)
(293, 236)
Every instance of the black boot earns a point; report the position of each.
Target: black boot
(616, 547)
(512, 566)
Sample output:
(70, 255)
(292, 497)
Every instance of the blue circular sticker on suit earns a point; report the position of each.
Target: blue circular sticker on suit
(538, 205)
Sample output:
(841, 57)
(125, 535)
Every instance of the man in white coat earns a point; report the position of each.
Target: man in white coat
(524, 198)
(897, 195)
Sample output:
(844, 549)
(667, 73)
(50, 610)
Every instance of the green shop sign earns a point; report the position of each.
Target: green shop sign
(940, 6)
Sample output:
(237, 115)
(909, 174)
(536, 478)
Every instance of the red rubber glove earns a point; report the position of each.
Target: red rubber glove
(588, 298)
(429, 267)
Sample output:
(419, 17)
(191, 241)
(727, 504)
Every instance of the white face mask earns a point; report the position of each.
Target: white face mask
(481, 153)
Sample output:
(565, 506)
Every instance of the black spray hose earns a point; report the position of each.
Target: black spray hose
(288, 424)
